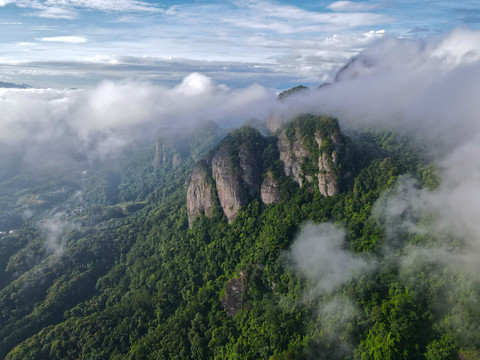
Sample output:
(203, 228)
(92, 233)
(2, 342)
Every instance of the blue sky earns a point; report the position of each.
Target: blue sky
(277, 44)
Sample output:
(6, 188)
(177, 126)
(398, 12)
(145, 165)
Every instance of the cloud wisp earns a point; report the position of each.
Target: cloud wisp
(66, 39)
(67, 9)
(319, 254)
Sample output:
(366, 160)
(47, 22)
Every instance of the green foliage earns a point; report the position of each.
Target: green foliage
(132, 281)
(295, 90)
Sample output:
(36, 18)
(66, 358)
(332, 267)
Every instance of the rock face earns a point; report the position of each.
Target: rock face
(325, 139)
(229, 187)
(269, 192)
(291, 155)
(328, 179)
(166, 153)
(251, 165)
(275, 121)
(174, 145)
(242, 167)
(236, 183)
(199, 196)
(232, 299)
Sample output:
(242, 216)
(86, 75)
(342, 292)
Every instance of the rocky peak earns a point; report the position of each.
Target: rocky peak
(242, 166)
(168, 148)
(311, 147)
(328, 163)
(236, 169)
(174, 146)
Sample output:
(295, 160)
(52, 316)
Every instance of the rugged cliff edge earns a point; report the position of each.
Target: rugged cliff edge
(245, 165)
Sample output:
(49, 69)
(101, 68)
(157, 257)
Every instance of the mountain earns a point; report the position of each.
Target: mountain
(310, 150)
(13, 86)
(231, 244)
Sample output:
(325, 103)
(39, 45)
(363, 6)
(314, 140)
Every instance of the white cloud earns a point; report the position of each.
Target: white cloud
(66, 9)
(107, 5)
(352, 6)
(319, 254)
(195, 84)
(286, 19)
(66, 39)
(429, 90)
(54, 13)
(101, 121)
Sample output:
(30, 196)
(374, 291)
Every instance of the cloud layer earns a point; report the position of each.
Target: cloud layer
(100, 122)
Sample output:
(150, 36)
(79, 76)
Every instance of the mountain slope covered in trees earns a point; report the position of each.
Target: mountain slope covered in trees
(112, 262)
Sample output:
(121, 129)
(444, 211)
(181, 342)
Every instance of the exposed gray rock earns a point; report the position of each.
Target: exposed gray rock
(275, 121)
(164, 154)
(232, 300)
(292, 156)
(328, 179)
(231, 193)
(269, 192)
(199, 196)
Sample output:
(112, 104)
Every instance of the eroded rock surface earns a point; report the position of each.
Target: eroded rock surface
(269, 192)
(232, 299)
(291, 156)
(199, 196)
(231, 193)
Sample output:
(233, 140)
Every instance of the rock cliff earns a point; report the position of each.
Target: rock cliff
(174, 146)
(292, 154)
(231, 193)
(246, 166)
(166, 154)
(309, 137)
(232, 300)
(199, 196)
(235, 166)
(328, 175)
(269, 192)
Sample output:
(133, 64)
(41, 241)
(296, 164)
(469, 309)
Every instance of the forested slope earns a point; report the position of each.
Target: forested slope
(115, 271)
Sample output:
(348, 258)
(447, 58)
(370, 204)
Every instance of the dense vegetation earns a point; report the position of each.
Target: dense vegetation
(106, 267)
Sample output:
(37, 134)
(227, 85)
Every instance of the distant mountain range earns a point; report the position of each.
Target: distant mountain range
(14, 86)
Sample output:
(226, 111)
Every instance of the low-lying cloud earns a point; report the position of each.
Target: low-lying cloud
(319, 254)
(99, 122)
(54, 228)
(428, 89)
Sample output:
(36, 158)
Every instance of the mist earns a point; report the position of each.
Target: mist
(51, 126)
(429, 90)
(319, 253)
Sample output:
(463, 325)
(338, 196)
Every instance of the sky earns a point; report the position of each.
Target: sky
(276, 44)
